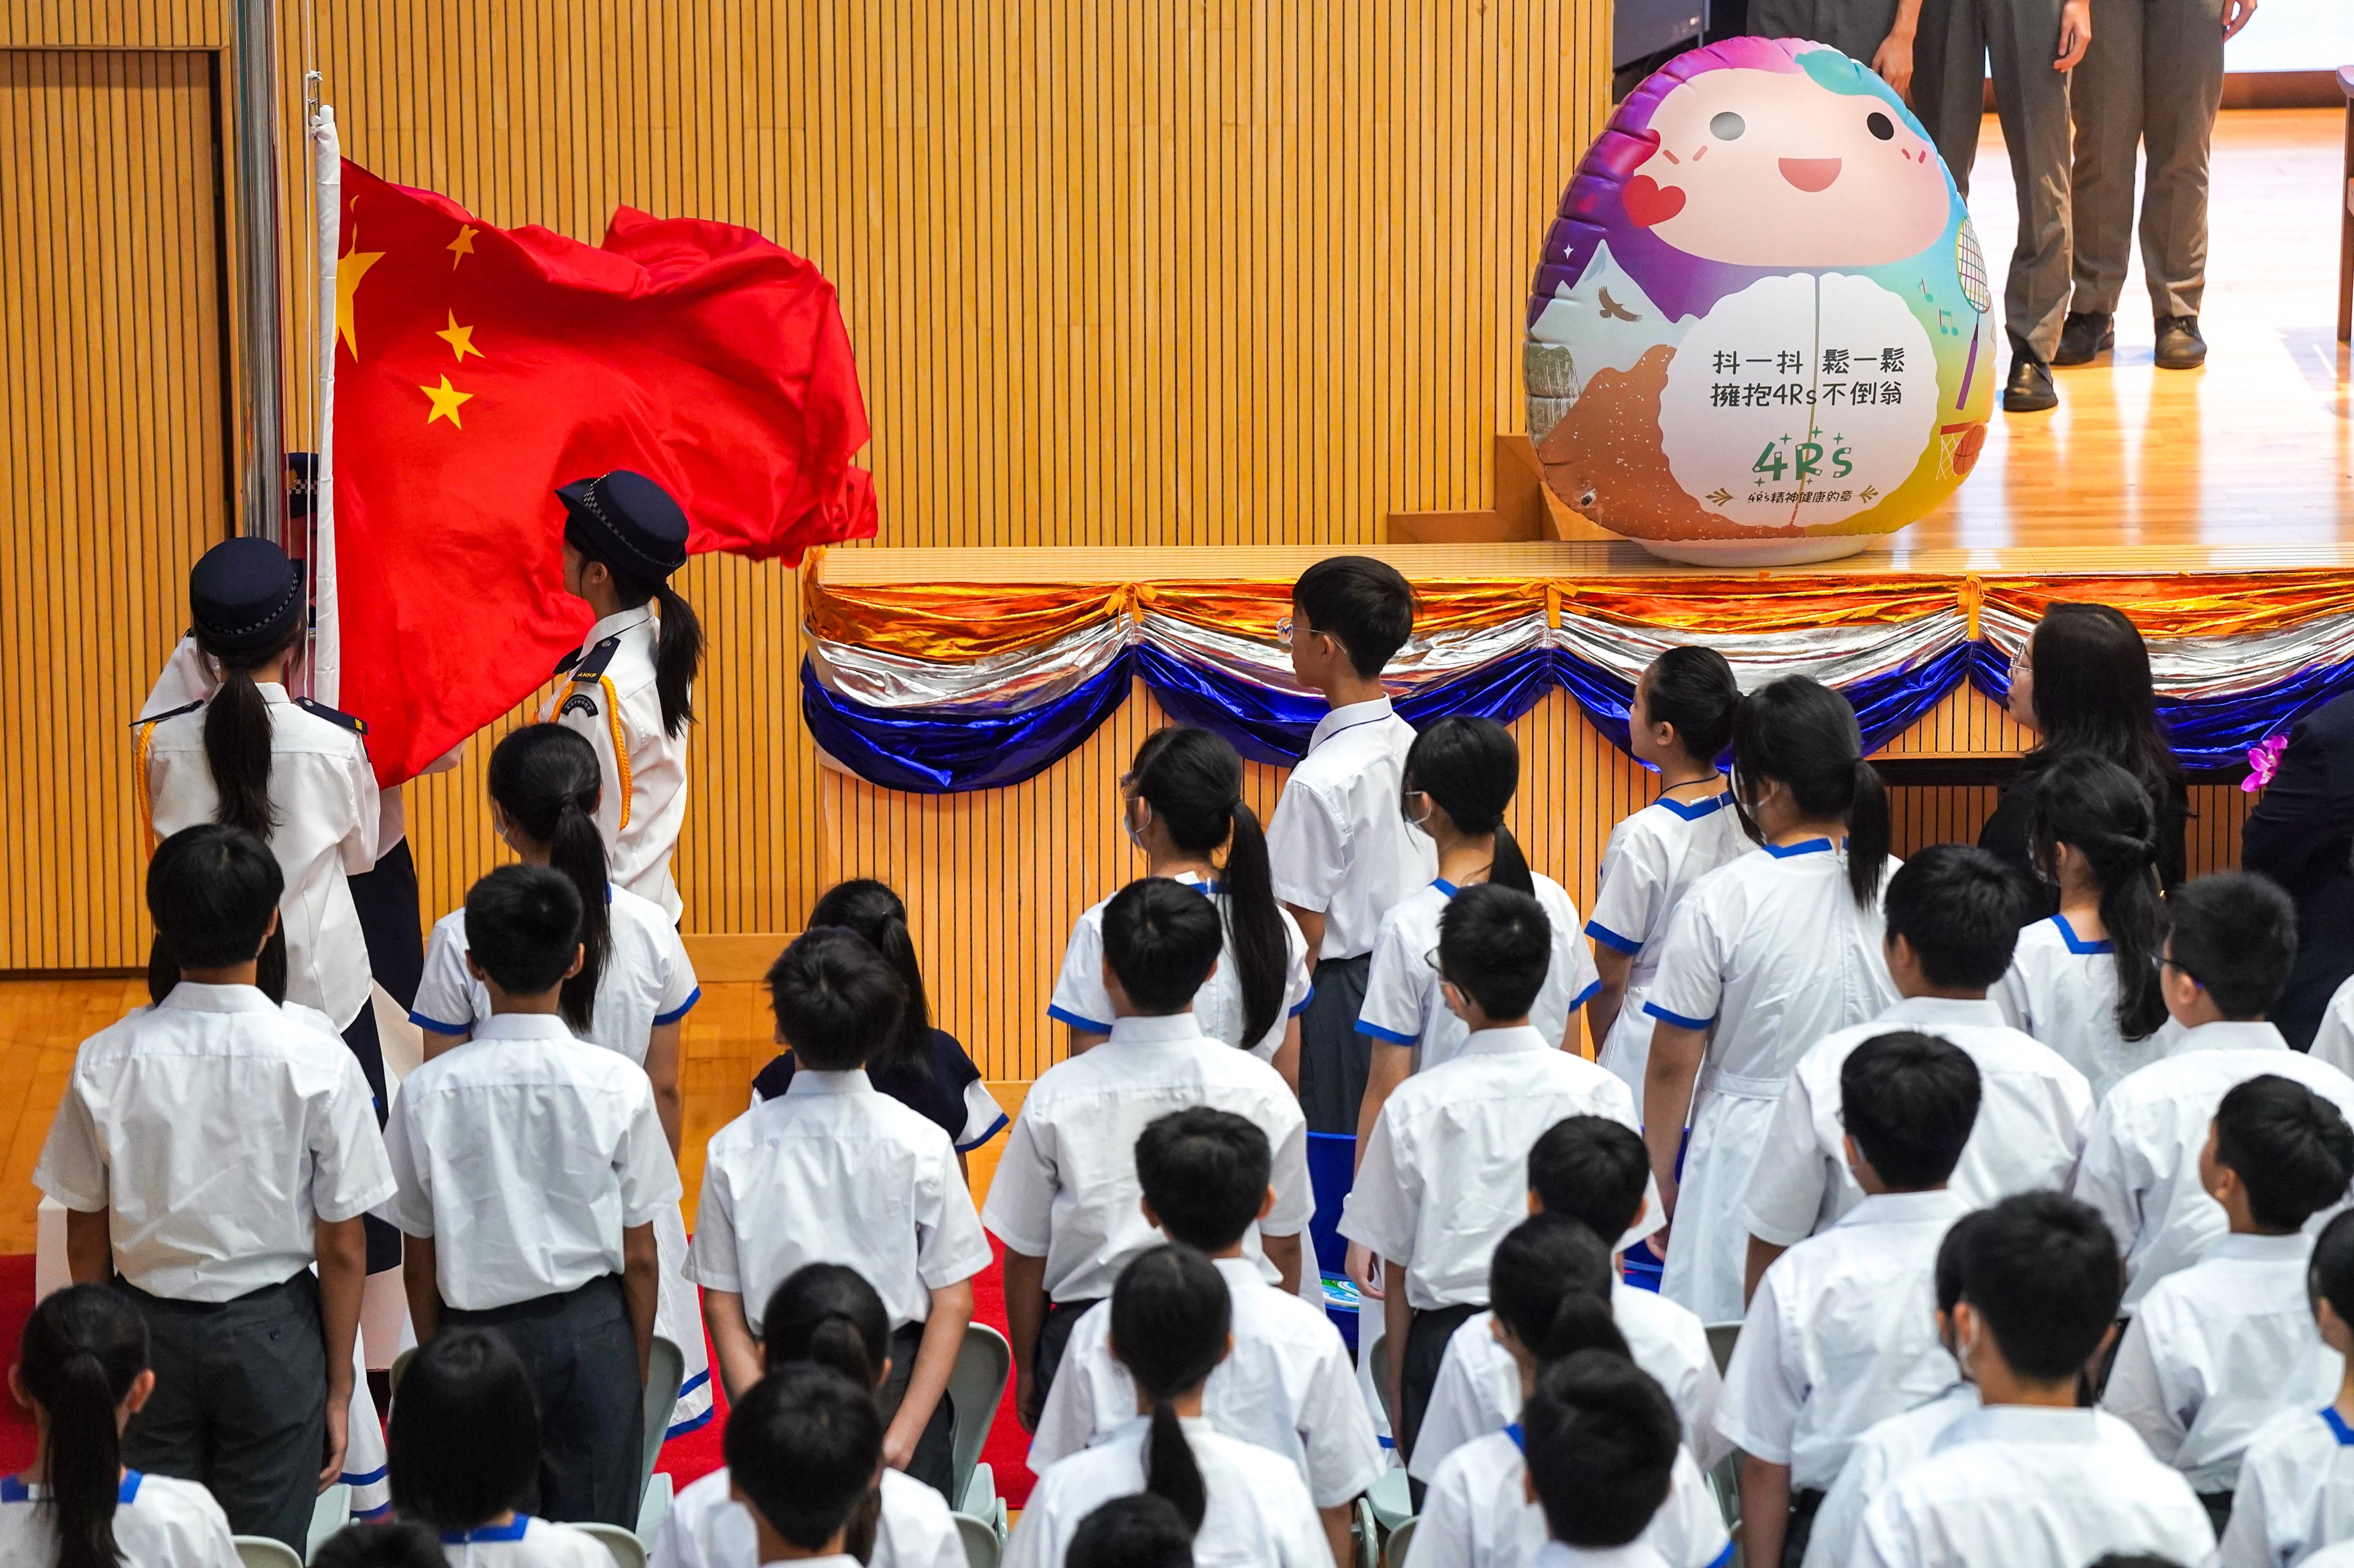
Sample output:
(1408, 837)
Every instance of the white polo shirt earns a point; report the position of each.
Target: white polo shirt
(610, 697)
(1886, 1450)
(2341, 1555)
(1561, 1554)
(2295, 1491)
(833, 1171)
(218, 1130)
(1288, 1384)
(2140, 1166)
(1445, 1173)
(2032, 1488)
(1841, 1333)
(1650, 863)
(1406, 1003)
(1259, 1514)
(2219, 1349)
(524, 1541)
(1477, 1514)
(705, 1528)
(159, 1522)
(1065, 1188)
(2063, 990)
(2033, 1109)
(525, 1157)
(1340, 845)
(1081, 1001)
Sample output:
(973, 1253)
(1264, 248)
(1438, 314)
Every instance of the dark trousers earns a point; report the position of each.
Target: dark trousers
(386, 899)
(240, 1402)
(1054, 1337)
(383, 1240)
(934, 1459)
(1334, 1059)
(1804, 1506)
(582, 1358)
(1425, 1349)
(2219, 1509)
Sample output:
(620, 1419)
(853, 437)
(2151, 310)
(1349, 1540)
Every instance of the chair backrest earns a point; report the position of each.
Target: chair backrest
(981, 1547)
(665, 1370)
(976, 1386)
(627, 1551)
(1394, 1554)
(261, 1552)
(1381, 1358)
(1722, 1338)
(328, 1515)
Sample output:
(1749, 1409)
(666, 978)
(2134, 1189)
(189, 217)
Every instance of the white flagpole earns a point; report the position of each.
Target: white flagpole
(326, 656)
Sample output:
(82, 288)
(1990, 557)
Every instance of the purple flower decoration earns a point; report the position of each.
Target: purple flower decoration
(2264, 761)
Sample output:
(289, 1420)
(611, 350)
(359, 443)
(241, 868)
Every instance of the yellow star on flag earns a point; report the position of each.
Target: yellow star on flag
(350, 268)
(463, 246)
(446, 401)
(460, 339)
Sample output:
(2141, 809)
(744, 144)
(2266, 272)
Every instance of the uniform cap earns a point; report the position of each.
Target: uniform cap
(245, 595)
(627, 521)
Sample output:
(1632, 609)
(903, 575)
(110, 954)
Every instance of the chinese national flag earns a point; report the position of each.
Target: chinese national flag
(478, 368)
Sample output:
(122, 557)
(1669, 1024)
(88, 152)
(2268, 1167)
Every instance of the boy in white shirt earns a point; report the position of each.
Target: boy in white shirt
(1842, 1332)
(2220, 1348)
(802, 1451)
(1601, 1444)
(833, 1170)
(530, 1170)
(2295, 1491)
(1341, 854)
(1064, 1200)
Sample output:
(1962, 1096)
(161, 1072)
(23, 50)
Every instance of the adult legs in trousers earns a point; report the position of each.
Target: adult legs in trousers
(1334, 1059)
(581, 1356)
(935, 1456)
(386, 900)
(1426, 1350)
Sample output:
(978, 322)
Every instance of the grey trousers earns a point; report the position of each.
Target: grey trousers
(1854, 27)
(1956, 40)
(582, 1358)
(2152, 80)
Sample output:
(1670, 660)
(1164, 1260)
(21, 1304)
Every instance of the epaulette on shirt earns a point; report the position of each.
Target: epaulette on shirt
(333, 716)
(173, 713)
(563, 665)
(591, 664)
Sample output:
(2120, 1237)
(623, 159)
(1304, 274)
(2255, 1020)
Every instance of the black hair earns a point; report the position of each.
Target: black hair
(1204, 1173)
(1364, 603)
(269, 966)
(1594, 1170)
(827, 1313)
(389, 1544)
(678, 646)
(2094, 693)
(1495, 946)
(1953, 1257)
(870, 908)
(1798, 731)
(2329, 1275)
(1691, 687)
(835, 997)
(1169, 1316)
(2235, 932)
(1161, 938)
(211, 890)
(81, 1350)
(2044, 1276)
(1470, 767)
(1139, 1531)
(804, 1445)
(1192, 778)
(2291, 1149)
(1960, 909)
(1548, 1283)
(464, 1443)
(1909, 1101)
(237, 732)
(2104, 814)
(2134, 1560)
(548, 781)
(1601, 1437)
(523, 927)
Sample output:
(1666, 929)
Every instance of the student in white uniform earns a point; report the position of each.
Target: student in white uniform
(2332, 1042)
(833, 1171)
(209, 1151)
(2085, 982)
(1951, 917)
(1442, 1178)
(2296, 1488)
(1181, 803)
(803, 1451)
(1766, 955)
(1065, 1197)
(1247, 1505)
(2228, 947)
(1680, 722)
(1139, 1531)
(1599, 1435)
(1842, 1332)
(1339, 855)
(629, 687)
(2220, 1348)
(824, 1313)
(531, 1173)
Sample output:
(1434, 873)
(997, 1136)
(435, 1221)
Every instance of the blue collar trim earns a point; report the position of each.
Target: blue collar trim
(2076, 944)
(130, 1493)
(509, 1531)
(2338, 1427)
(12, 1490)
(1693, 814)
(1784, 851)
(1520, 1439)
(1444, 886)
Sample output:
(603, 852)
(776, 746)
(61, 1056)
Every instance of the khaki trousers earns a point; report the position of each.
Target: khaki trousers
(2152, 80)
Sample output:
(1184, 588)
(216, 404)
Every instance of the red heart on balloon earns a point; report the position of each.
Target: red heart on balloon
(1649, 203)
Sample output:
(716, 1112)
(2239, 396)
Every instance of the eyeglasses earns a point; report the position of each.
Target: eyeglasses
(1283, 634)
(2023, 662)
(2162, 963)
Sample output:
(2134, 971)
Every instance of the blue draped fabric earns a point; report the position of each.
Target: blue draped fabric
(2208, 732)
(946, 750)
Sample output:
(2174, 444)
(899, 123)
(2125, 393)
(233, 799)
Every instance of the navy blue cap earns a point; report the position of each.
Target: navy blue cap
(627, 521)
(245, 595)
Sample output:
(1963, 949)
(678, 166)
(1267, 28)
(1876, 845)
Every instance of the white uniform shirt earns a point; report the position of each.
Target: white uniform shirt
(1886, 1450)
(2141, 1167)
(159, 1522)
(2219, 1349)
(1406, 1003)
(705, 1528)
(1259, 1513)
(2334, 1042)
(2030, 1488)
(324, 795)
(1445, 1173)
(833, 1171)
(2033, 1109)
(612, 700)
(1065, 1188)
(218, 1130)
(1841, 1333)
(1477, 1514)
(647, 980)
(1287, 1385)
(2063, 990)
(1650, 863)
(1081, 1001)
(2296, 1491)
(523, 1542)
(2341, 1555)
(1772, 950)
(1561, 1554)
(1478, 1389)
(1339, 843)
(525, 1157)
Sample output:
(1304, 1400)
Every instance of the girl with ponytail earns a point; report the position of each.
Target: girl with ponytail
(81, 1372)
(1769, 953)
(1169, 1328)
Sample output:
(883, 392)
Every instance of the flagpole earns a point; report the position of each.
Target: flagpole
(261, 430)
(326, 633)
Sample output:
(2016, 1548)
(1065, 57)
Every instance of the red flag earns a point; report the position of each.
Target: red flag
(478, 368)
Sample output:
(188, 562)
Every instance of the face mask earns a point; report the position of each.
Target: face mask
(1420, 824)
(1134, 821)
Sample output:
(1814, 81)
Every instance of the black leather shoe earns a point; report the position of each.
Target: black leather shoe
(2086, 334)
(2028, 391)
(2179, 346)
